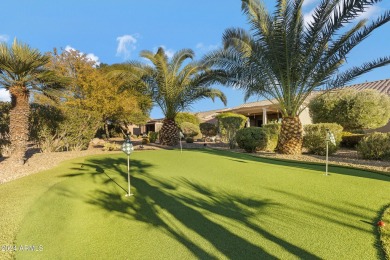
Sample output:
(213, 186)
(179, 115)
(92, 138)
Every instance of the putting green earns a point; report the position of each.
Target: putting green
(196, 204)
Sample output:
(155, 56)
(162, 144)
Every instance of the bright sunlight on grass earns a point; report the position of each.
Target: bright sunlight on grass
(196, 204)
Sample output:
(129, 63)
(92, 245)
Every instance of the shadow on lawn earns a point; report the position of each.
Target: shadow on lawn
(155, 196)
(240, 157)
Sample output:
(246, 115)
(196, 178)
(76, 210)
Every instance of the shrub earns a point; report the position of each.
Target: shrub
(4, 128)
(208, 129)
(272, 131)
(145, 139)
(375, 146)
(153, 136)
(251, 139)
(111, 147)
(189, 140)
(315, 136)
(189, 129)
(350, 140)
(186, 117)
(352, 109)
(229, 124)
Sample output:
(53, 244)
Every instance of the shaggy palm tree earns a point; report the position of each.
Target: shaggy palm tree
(174, 86)
(21, 71)
(283, 58)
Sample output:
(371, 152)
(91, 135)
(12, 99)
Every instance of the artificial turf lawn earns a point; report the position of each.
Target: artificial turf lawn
(196, 204)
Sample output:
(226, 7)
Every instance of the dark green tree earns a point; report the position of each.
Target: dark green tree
(22, 70)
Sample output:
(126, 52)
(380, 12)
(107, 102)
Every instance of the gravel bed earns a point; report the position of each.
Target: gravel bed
(42, 161)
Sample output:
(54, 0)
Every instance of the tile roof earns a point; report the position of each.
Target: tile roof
(383, 86)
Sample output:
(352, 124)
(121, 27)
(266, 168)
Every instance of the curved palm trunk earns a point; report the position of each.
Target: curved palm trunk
(18, 127)
(169, 133)
(291, 136)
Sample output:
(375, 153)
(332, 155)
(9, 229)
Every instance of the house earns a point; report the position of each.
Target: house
(258, 113)
(265, 111)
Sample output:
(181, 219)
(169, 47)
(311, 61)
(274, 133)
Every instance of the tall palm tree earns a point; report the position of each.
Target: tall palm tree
(22, 71)
(283, 58)
(174, 85)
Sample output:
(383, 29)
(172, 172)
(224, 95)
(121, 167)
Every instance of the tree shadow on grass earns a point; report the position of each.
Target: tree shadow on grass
(308, 166)
(154, 195)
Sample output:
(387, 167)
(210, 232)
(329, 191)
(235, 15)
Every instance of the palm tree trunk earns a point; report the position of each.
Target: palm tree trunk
(18, 127)
(291, 136)
(169, 133)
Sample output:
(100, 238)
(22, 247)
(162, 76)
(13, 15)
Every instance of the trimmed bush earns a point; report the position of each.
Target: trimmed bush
(315, 136)
(145, 139)
(208, 129)
(352, 109)
(229, 124)
(251, 139)
(189, 140)
(189, 129)
(375, 146)
(272, 131)
(153, 136)
(350, 140)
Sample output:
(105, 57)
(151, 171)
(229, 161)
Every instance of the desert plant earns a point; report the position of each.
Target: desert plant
(175, 85)
(182, 117)
(208, 129)
(229, 124)
(153, 136)
(315, 137)
(284, 58)
(189, 129)
(145, 139)
(189, 140)
(251, 139)
(23, 70)
(352, 109)
(111, 147)
(272, 131)
(375, 146)
(350, 140)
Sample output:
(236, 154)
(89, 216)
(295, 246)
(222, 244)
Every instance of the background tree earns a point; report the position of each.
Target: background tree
(22, 70)
(93, 89)
(174, 85)
(352, 109)
(284, 59)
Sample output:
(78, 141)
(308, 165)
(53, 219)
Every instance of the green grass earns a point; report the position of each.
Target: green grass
(196, 204)
(385, 232)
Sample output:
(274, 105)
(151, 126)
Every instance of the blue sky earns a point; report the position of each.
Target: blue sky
(116, 31)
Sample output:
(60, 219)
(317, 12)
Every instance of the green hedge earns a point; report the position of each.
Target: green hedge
(375, 146)
(272, 131)
(189, 129)
(350, 140)
(251, 139)
(208, 129)
(315, 135)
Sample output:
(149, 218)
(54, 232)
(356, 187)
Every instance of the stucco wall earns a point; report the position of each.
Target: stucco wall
(305, 117)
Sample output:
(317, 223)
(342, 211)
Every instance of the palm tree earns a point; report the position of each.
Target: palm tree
(22, 71)
(283, 58)
(174, 86)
